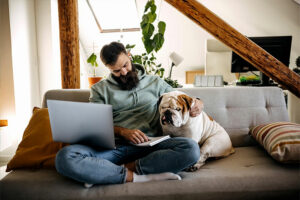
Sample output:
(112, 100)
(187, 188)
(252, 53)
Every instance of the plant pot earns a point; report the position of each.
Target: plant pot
(93, 80)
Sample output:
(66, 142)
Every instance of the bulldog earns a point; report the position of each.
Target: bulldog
(175, 120)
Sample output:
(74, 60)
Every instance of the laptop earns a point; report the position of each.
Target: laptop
(84, 123)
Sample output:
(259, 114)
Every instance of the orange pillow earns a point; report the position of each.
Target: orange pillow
(37, 148)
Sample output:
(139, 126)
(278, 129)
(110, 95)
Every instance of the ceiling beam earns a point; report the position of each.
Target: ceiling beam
(69, 43)
(240, 44)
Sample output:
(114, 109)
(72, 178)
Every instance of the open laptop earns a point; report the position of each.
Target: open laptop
(84, 123)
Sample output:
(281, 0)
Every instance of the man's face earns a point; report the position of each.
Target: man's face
(122, 66)
(124, 73)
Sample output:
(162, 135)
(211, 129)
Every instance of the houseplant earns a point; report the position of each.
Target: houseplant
(92, 60)
(297, 69)
(152, 42)
(148, 61)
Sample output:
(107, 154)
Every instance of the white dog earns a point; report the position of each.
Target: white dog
(176, 121)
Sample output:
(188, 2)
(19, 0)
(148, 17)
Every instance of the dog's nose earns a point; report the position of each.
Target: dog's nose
(167, 117)
(168, 113)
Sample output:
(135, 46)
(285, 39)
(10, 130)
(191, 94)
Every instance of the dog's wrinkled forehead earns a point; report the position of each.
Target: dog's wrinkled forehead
(169, 100)
(176, 100)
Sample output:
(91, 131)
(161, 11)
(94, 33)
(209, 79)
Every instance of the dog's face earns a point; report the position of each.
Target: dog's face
(174, 108)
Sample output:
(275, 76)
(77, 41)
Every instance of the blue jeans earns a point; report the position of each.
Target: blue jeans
(100, 166)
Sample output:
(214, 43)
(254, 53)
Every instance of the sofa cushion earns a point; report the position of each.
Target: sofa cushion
(249, 173)
(280, 139)
(37, 149)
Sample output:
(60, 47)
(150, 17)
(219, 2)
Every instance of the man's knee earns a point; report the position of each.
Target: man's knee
(66, 156)
(191, 150)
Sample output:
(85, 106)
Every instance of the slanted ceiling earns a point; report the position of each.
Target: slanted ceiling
(240, 44)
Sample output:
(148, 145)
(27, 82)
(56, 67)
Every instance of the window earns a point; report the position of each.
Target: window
(115, 15)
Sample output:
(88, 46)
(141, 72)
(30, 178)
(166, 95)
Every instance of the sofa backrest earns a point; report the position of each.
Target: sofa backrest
(80, 95)
(237, 109)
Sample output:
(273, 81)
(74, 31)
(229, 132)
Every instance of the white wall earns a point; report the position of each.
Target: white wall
(293, 101)
(24, 61)
(7, 100)
(48, 45)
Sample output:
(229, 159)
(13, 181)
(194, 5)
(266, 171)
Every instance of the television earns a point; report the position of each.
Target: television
(277, 46)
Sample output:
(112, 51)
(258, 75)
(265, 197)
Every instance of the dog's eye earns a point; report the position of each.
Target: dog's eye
(178, 109)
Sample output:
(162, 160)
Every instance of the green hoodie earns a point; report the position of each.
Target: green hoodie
(136, 108)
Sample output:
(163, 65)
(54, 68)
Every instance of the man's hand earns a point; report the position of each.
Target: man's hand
(197, 108)
(135, 136)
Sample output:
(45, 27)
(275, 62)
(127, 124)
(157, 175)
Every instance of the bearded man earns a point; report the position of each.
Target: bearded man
(134, 96)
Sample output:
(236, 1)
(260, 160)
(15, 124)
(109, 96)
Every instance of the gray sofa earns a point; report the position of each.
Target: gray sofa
(250, 173)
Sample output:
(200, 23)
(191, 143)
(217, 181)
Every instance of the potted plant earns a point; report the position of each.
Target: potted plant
(152, 42)
(297, 69)
(92, 60)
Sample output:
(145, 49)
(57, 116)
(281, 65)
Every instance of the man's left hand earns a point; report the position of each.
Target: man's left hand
(197, 108)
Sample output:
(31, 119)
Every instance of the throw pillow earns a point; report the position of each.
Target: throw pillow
(280, 139)
(37, 148)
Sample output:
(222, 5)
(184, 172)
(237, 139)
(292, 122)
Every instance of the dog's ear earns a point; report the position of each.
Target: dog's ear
(159, 100)
(188, 100)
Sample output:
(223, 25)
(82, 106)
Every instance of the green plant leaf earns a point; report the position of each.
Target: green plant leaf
(148, 31)
(148, 5)
(161, 27)
(158, 41)
(145, 20)
(172, 83)
(148, 45)
(137, 59)
(153, 8)
(92, 60)
(151, 17)
(128, 46)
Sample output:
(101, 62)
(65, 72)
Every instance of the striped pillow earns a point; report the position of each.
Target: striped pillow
(280, 139)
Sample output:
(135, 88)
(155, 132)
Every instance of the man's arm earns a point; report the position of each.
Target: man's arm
(197, 108)
(95, 96)
(133, 135)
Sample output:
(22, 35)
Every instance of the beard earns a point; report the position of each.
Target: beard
(129, 81)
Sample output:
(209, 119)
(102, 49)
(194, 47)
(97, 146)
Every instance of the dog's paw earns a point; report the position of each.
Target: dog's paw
(195, 167)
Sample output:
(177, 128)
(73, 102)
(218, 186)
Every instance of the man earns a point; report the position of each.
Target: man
(134, 97)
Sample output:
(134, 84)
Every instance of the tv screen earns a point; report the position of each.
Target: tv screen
(278, 46)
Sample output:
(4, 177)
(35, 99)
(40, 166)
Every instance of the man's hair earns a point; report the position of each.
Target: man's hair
(109, 53)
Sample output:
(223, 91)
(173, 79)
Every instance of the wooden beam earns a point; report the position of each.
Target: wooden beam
(240, 44)
(69, 43)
